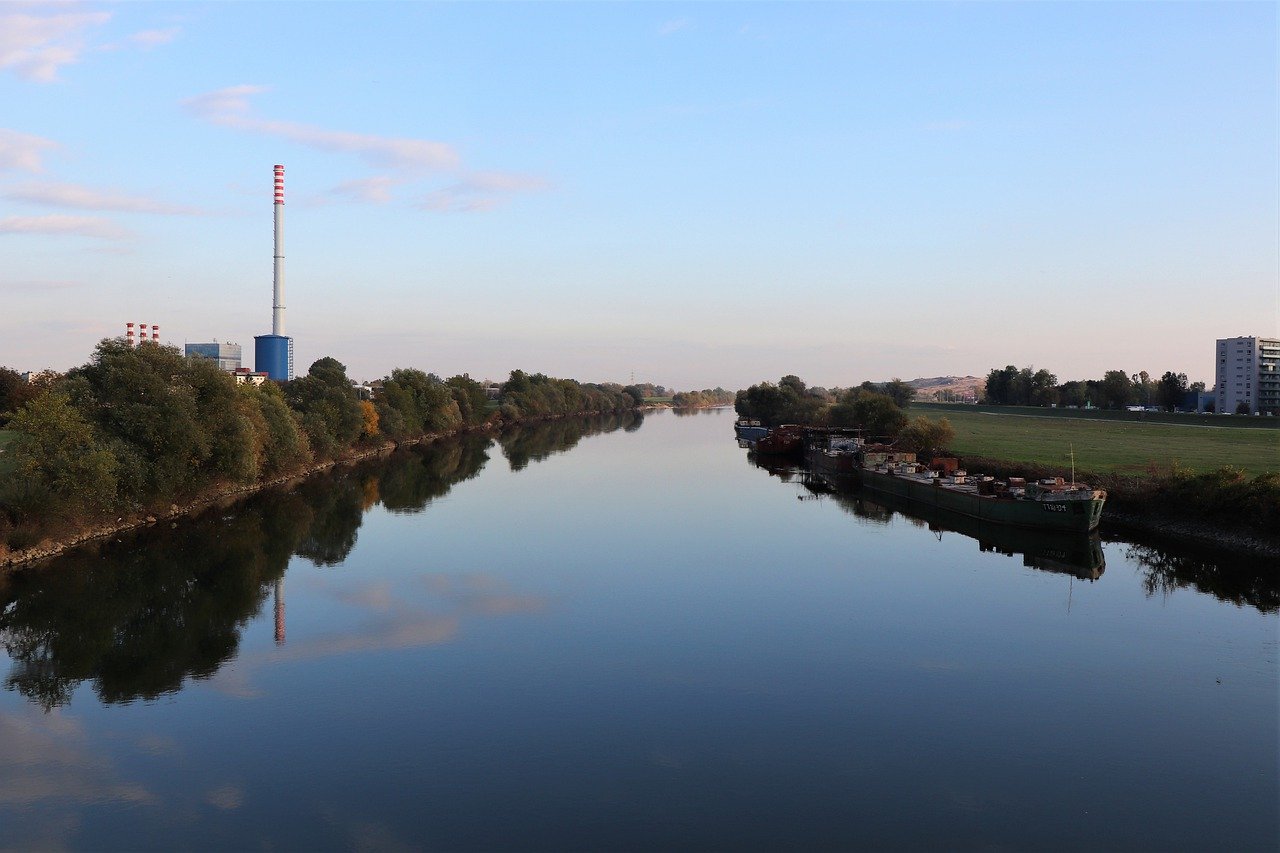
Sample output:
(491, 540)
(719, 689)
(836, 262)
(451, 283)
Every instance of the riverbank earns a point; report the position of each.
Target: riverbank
(1214, 510)
(60, 540)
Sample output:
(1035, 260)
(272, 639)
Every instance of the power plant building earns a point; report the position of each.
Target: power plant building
(1247, 375)
(226, 355)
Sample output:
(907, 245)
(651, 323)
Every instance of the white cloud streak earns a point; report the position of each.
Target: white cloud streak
(22, 151)
(60, 224)
(151, 38)
(375, 190)
(86, 198)
(230, 108)
(34, 44)
(481, 191)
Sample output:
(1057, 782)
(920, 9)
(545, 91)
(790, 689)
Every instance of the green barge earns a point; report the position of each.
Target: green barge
(1050, 504)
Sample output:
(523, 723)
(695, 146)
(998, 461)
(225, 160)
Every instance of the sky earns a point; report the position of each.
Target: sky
(691, 195)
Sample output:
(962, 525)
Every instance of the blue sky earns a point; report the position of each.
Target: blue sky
(699, 194)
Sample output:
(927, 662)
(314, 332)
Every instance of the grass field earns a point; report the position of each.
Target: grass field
(1106, 446)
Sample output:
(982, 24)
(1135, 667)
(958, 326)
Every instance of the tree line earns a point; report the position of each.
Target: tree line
(703, 399)
(877, 408)
(140, 427)
(1011, 386)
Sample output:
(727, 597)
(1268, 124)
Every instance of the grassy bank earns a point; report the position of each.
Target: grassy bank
(1110, 445)
(1178, 418)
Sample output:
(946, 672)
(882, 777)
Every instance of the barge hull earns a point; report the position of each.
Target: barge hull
(1077, 516)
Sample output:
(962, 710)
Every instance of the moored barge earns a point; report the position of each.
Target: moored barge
(1047, 504)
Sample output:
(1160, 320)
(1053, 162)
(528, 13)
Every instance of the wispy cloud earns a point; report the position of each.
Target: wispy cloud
(375, 190)
(230, 108)
(37, 40)
(86, 198)
(674, 26)
(151, 38)
(480, 191)
(22, 151)
(61, 224)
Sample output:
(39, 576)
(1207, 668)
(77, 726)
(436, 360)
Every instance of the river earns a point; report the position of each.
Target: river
(623, 634)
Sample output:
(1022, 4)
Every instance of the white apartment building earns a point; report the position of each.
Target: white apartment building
(1247, 370)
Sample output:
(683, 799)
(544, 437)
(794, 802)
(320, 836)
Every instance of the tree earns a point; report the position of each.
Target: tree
(59, 456)
(328, 407)
(1171, 388)
(14, 393)
(172, 422)
(900, 392)
(925, 436)
(370, 417)
(1000, 386)
(1117, 389)
(1044, 388)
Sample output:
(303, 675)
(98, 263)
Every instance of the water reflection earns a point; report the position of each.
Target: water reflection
(522, 444)
(137, 620)
(138, 617)
(1242, 581)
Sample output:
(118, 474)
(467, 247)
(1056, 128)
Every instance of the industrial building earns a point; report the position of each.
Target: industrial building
(1245, 375)
(226, 355)
(273, 353)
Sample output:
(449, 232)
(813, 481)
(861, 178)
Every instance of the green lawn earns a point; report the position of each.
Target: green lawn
(1107, 446)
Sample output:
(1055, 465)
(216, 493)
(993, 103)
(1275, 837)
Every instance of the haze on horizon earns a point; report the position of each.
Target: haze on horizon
(693, 194)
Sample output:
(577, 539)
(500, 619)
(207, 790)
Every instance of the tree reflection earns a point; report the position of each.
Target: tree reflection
(522, 444)
(137, 620)
(415, 476)
(1241, 581)
(139, 616)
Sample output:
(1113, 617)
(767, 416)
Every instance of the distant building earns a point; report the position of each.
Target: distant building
(245, 376)
(226, 355)
(1246, 371)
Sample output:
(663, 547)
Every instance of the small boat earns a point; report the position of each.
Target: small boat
(749, 429)
(786, 440)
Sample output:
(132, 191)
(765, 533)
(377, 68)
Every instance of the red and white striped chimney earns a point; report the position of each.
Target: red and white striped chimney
(277, 300)
(128, 334)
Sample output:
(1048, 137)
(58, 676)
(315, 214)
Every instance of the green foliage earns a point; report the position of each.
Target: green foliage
(1025, 387)
(539, 396)
(413, 403)
(472, 400)
(925, 436)
(899, 392)
(328, 406)
(172, 422)
(1170, 389)
(703, 399)
(868, 410)
(788, 402)
(14, 393)
(59, 458)
(280, 443)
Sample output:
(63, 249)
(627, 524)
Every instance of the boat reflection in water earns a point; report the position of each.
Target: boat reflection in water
(1076, 554)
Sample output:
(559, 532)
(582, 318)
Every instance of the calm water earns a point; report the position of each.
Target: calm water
(624, 635)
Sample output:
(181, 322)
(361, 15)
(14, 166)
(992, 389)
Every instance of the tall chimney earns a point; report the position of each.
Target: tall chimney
(128, 335)
(155, 333)
(277, 301)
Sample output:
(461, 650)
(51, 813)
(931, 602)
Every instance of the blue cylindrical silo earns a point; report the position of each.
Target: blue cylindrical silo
(273, 355)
